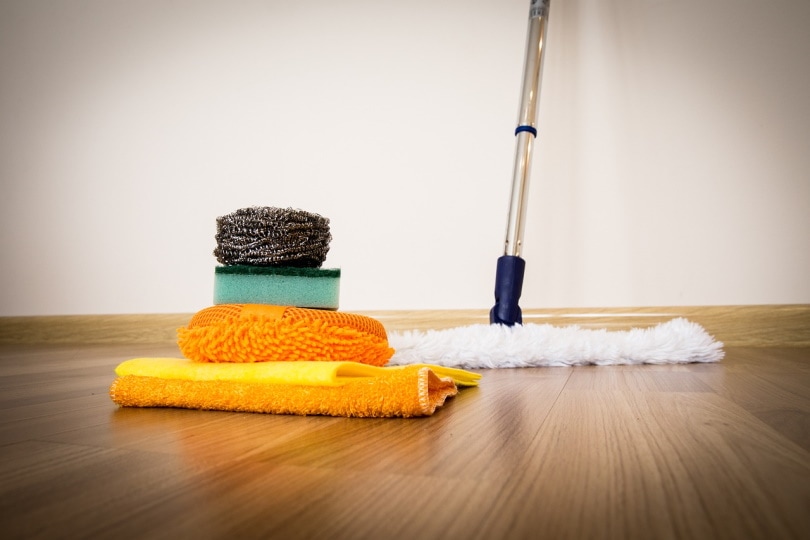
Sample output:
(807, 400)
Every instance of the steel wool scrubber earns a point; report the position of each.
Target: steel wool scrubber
(269, 236)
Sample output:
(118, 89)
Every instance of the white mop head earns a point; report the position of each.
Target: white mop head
(532, 345)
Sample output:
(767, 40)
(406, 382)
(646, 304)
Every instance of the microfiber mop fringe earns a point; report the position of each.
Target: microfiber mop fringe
(537, 345)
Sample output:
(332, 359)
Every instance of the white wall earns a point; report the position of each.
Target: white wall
(672, 165)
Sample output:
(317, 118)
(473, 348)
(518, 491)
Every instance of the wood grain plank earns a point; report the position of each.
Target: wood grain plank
(774, 386)
(57, 491)
(670, 451)
(655, 465)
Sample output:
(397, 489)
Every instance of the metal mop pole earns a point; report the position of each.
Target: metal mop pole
(511, 267)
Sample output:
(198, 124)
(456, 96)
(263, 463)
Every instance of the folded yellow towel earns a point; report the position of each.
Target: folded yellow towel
(290, 373)
(405, 392)
(263, 333)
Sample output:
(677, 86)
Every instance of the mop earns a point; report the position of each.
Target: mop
(544, 345)
(506, 341)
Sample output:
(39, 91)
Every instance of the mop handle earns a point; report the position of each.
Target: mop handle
(526, 129)
(511, 267)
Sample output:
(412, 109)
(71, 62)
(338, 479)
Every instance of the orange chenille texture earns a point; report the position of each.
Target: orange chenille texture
(260, 333)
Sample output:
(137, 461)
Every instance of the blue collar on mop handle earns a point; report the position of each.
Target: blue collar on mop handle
(530, 129)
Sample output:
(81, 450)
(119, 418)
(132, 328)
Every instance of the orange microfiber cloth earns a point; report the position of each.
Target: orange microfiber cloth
(404, 392)
(263, 333)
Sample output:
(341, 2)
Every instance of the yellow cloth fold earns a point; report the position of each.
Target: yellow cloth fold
(288, 373)
(402, 392)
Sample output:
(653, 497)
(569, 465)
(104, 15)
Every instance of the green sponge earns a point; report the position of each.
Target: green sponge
(317, 288)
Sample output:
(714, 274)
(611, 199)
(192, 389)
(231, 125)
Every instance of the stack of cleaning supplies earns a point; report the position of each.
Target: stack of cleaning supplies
(263, 347)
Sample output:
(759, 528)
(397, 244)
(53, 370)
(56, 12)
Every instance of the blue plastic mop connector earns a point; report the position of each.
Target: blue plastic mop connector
(508, 286)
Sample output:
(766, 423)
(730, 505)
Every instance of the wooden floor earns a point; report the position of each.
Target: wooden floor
(694, 451)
